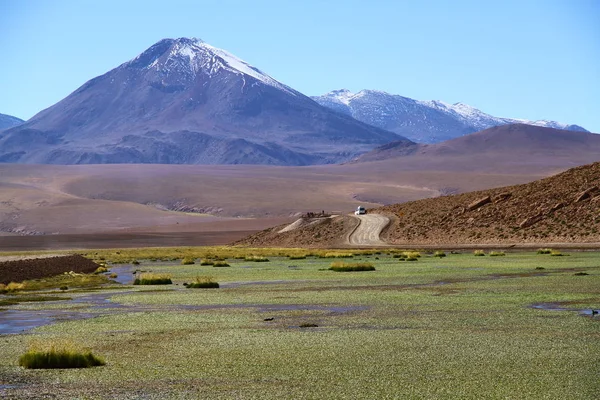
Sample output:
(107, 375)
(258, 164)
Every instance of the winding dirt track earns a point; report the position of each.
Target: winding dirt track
(368, 230)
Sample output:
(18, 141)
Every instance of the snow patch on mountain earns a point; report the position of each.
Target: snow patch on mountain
(191, 55)
(425, 121)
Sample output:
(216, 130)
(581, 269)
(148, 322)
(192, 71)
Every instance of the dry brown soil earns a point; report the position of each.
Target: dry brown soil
(36, 268)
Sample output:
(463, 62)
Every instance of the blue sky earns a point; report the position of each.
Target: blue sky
(534, 59)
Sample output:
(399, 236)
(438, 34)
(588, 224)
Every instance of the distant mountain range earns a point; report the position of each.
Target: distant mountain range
(8, 121)
(183, 101)
(420, 121)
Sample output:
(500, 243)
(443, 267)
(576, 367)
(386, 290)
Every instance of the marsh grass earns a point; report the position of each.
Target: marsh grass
(11, 287)
(58, 355)
(340, 266)
(254, 258)
(150, 278)
(556, 253)
(68, 279)
(337, 255)
(308, 325)
(203, 282)
(220, 264)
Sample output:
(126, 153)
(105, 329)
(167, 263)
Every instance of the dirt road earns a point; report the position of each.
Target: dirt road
(368, 230)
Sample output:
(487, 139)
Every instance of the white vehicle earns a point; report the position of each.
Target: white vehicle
(360, 210)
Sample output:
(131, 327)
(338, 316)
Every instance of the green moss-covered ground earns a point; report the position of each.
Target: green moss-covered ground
(460, 327)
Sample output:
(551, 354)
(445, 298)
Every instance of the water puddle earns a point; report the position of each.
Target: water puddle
(124, 274)
(561, 307)
(16, 320)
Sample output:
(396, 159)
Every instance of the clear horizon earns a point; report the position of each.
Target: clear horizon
(529, 60)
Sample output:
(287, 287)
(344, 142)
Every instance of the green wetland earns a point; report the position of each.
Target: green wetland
(520, 326)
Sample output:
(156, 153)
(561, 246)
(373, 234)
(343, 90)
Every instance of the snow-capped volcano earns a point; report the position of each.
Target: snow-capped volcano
(185, 101)
(422, 121)
(189, 56)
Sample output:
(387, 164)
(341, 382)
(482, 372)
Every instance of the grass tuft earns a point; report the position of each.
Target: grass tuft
(187, 261)
(544, 251)
(203, 282)
(153, 279)
(479, 253)
(256, 258)
(59, 356)
(439, 254)
(220, 264)
(497, 254)
(340, 266)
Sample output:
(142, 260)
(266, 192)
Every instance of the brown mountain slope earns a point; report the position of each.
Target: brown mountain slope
(564, 208)
(505, 144)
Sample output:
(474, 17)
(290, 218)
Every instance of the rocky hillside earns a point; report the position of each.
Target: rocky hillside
(420, 121)
(564, 208)
(183, 101)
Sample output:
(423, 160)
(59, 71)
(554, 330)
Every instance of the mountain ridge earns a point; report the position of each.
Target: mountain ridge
(8, 121)
(421, 121)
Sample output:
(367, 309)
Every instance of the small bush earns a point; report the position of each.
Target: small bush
(256, 259)
(59, 356)
(439, 254)
(206, 261)
(479, 253)
(153, 279)
(187, 261)
(544, 251)
(497, 253)
(220, 264)
(351, 267)
(203, 282)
